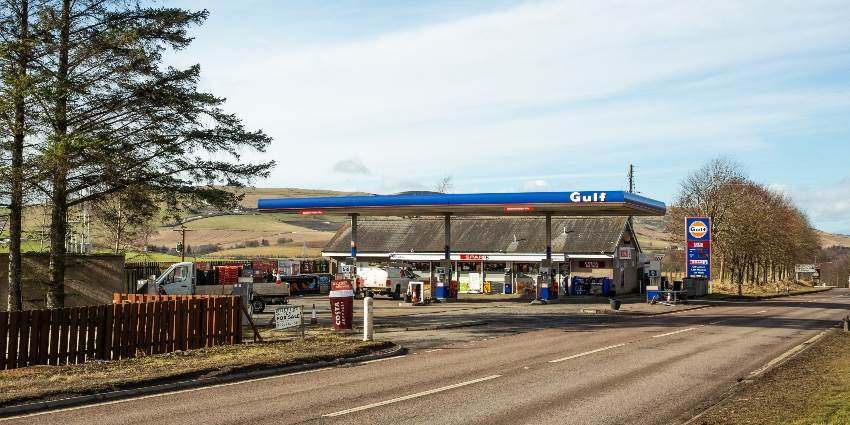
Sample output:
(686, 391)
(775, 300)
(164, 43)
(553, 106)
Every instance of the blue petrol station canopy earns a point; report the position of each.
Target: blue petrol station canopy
(583, 203)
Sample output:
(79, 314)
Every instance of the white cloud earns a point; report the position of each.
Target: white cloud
(351, 166)
(534, 185)
(545, 88)
(828, 205)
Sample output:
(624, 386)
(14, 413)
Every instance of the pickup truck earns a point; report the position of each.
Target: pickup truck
(390, 281)
(181, 279)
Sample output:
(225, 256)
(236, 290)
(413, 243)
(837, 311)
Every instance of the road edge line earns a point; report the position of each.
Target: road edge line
(37, 407)
(776, 362)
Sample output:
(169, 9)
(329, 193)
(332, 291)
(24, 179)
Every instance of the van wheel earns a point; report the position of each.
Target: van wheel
(258, 305)
(397, 294)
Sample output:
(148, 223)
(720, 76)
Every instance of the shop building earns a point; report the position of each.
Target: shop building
(502, 254)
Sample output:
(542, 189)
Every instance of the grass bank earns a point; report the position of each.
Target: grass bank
(51, 382)
(811, 388)
(726, 290)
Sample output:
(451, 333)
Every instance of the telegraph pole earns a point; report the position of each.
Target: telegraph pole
(631, 189)
(182, 231)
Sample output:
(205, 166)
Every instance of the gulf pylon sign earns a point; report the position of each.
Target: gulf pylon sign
(698, 237)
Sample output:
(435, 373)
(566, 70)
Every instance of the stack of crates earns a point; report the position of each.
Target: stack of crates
(228, 275)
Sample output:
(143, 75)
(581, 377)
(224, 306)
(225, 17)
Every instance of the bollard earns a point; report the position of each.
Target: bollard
(313, 319)
(368, 331)
(846, 323)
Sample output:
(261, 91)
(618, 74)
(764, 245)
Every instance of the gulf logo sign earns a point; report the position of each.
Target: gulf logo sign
(698, 229)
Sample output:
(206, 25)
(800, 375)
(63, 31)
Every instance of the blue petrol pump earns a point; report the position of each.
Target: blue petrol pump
(544, 279)
(443, 280)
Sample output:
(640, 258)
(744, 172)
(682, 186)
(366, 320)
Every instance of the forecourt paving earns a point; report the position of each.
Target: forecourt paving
(644, 370)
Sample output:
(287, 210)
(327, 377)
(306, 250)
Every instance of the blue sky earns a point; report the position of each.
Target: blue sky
(385, 96)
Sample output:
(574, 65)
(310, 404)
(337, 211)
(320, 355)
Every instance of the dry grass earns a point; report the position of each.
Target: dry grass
(725, 289)
(268, 252)
(812, 388)
(46, 382)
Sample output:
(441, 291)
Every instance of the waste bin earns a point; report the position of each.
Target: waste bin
(342, 305)
(615, 304)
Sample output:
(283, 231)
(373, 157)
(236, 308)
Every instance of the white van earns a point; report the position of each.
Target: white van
(390, 281)
(181, 279)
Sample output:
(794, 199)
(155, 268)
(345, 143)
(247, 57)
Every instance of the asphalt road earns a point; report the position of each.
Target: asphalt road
(642, 370)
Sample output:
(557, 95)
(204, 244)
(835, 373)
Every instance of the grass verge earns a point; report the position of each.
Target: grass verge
(726, 290)
(52, 382)
(811, 388)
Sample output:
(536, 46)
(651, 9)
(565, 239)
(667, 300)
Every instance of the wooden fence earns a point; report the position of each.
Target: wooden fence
(133, 325)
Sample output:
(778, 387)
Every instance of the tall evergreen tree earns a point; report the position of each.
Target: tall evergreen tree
(16, 54)
(118, 118)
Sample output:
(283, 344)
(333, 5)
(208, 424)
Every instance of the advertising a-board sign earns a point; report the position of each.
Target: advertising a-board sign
(342, 304)
(698, 235)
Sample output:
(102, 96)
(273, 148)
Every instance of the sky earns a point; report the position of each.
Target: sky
(386, 96)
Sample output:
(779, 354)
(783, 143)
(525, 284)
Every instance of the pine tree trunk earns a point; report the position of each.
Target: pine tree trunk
(16, 182)
(58, 232)
(59, 197)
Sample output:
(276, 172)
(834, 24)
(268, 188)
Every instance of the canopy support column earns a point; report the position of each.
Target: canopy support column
(444, 281)
(354, 236)
(353, 258)
(447, 224)
(545, 277)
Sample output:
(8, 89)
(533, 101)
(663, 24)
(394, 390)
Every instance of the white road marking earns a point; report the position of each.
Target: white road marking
(431, 351)
(673, 333)
(189, 390)
(409, 397)
(788, 354)
(719, 321)
(384, 359)
(760, 312)
(587, 353)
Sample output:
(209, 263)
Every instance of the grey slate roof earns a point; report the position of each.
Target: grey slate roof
(584, 235)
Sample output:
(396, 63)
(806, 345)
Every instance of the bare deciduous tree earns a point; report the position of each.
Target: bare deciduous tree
(758, 234)
(444, 185)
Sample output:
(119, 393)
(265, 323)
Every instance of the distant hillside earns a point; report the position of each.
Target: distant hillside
(251, 195)
(250, 234)
(833, 239)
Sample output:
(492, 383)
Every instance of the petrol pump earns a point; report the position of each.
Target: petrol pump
(348, 270)
(654, 282)
(544, 281)
(443, 280)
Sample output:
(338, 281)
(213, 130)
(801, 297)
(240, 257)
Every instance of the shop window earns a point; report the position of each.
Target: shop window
(495, 267)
